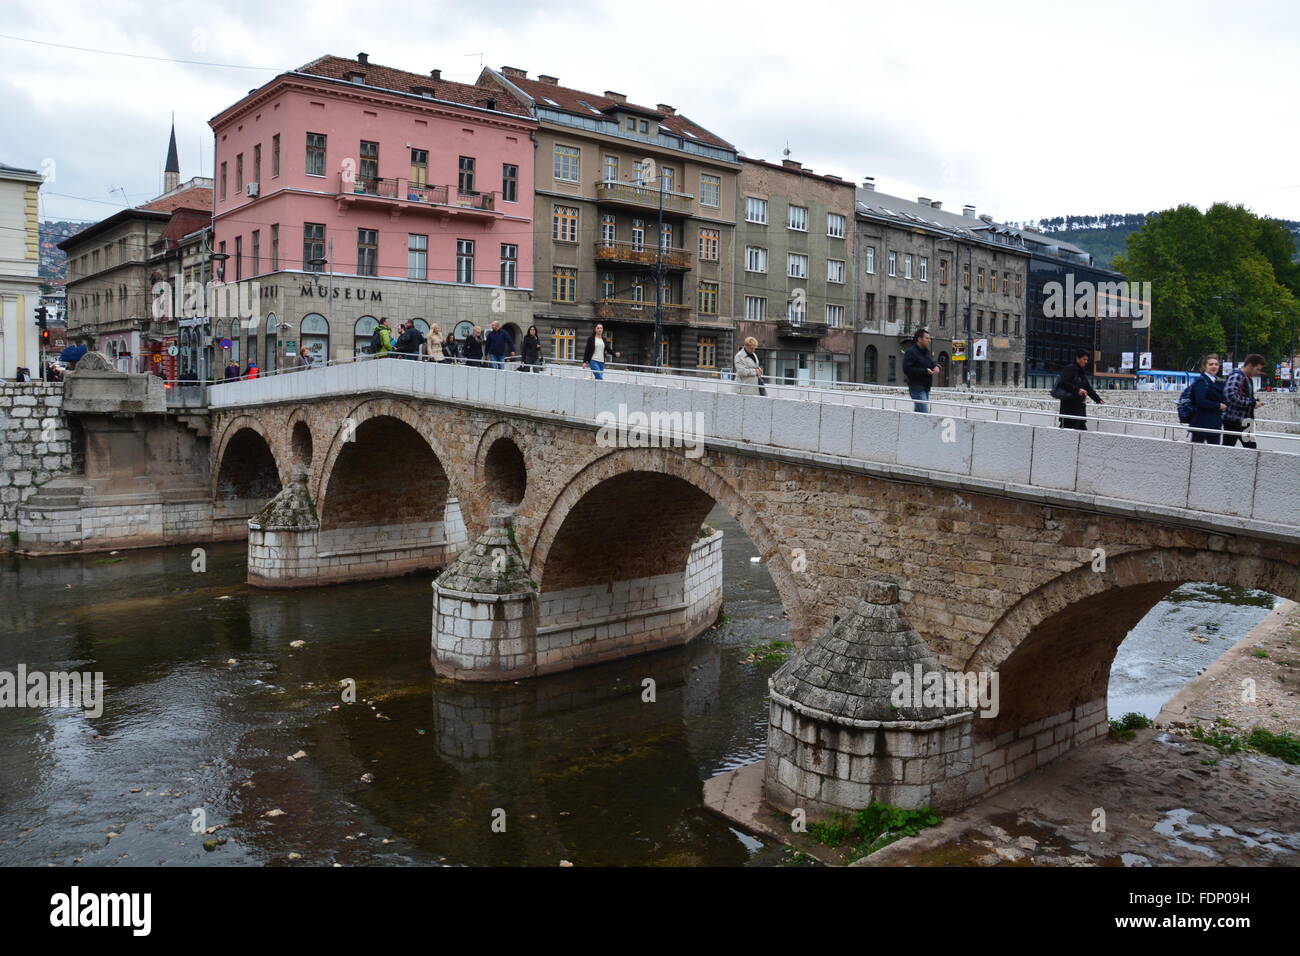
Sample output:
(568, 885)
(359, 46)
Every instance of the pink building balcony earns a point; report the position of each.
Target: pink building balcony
(409, 196)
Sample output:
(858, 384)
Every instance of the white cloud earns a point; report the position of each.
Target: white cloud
(1024, 109)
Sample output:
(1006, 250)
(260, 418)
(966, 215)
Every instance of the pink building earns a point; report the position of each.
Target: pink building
(347, 191)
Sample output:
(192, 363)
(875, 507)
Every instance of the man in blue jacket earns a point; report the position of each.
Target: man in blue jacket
(919, 370)
(499, 345)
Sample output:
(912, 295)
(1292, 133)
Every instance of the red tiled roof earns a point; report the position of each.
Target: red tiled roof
(196, 197)
(576, 101)
(390, 78)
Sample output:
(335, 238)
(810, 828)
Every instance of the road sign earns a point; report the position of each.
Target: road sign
(225, 344)
(173, 351)
(157, 359)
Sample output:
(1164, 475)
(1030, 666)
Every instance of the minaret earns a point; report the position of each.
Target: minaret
(172, 171)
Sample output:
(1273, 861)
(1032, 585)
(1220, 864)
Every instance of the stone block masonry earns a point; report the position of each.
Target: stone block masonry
(35, 446)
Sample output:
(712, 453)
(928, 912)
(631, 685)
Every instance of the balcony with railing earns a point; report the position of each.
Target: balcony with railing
(623, 252)
(406, 194)
(638, 310)
(618, 193)
(799, 329)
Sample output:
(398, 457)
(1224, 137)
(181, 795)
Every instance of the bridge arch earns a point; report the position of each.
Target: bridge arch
(247, 465)
(500, 464)
(1053, 649)
(643, 508)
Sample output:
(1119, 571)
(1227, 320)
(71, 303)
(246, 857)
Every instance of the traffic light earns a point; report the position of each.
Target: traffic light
(42, 314)
(45, 337)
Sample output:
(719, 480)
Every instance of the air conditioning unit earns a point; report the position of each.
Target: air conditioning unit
(250, 189)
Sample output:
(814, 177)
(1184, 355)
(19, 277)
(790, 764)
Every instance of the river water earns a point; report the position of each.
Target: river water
(206, 701)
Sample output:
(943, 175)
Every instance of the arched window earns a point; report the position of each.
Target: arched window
(254, 330)
(464, 330)
(315, 335)
(422, 325)
(869, 364)
(271, 342)
(943, 365)
(361, 333)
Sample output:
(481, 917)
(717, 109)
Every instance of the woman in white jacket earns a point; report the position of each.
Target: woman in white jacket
(748, 372)
(433, 344)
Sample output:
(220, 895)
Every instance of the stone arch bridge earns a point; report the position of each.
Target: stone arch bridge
(1023, 550)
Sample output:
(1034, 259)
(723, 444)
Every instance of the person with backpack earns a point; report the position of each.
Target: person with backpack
(919, 370)
(1207, 403)
(1072, 390)
(381, 339)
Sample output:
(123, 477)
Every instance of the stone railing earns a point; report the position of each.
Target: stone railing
(1138, 470)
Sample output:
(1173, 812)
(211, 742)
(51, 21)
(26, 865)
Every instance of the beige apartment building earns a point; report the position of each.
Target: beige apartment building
(957, 274)
(630, 201)
(794, 271)
(20, 290)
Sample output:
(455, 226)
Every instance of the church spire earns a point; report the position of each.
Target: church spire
(172, 171)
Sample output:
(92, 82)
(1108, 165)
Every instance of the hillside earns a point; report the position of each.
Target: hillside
(1105, 236)
(54, 264)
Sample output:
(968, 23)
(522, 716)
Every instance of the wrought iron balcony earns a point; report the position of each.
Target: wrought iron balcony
(637, 310)
(624, 252)
(801, 330)
(409, 195)
(617, 192)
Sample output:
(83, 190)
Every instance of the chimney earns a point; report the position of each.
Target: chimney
(936, 205)
(832, 176)
(665, 108)
(869, 183)
(515, 71)
(616, 97)
(436, 74)
(363, 57)
(987, 218)
(549, 80)
(923, 200)
(968, 210)
(791, 164)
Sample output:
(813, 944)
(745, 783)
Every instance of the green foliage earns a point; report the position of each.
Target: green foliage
(1223, 741)
(872, 827)
(1123, 728)
(1285, 745)
(772, 651)
(1259, 652)
(1189, 257)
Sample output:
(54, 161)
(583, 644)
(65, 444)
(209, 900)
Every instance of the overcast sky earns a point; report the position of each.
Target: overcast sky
(1024, 109)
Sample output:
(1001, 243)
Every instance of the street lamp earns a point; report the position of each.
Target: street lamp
(1236, 330)
(220, 257)
(320, 261)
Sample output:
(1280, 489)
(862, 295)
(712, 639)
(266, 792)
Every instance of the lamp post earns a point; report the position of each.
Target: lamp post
(207, 319)
(1236, 329)
(320, 261)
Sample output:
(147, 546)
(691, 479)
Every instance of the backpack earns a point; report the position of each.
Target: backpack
(375, 342)
(1186, 405)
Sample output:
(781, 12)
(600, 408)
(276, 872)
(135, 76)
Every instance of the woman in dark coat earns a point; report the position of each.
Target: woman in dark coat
(532, 350)
(1208, 400)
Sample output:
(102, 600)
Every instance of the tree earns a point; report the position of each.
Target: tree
(1218, 276)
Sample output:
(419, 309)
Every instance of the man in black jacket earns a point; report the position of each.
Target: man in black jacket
(919, 370)
(1071, 389)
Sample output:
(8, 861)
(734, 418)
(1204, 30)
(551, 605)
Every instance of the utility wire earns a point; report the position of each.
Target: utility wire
(139, 56)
